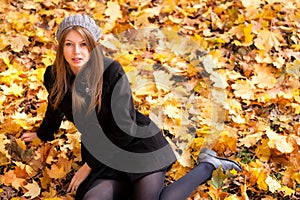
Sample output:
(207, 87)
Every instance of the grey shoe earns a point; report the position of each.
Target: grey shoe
(210, 156)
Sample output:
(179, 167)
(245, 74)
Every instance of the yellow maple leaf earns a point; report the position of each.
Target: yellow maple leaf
(266, 40)
(250, 140)
(263, 151)
(168, 6)
(33, 188)
(10, 75)
(14, 89)
(17, 43)
(279, 142)
(172, 112)
(56, 172)
(287, 191)
(125, 59)
(4, 42)
(39, 73)
(243, 32)
(113, 10)
(296, 107)
(47, 59)
(248, 37)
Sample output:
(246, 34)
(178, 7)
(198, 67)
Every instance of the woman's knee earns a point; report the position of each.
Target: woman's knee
(106, 190)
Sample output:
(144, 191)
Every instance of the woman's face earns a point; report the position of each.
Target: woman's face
(75, 51)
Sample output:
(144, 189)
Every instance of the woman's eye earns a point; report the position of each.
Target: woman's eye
(68, 44)
(83, 44)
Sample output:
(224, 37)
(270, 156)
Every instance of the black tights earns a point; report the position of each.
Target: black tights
(151, 187)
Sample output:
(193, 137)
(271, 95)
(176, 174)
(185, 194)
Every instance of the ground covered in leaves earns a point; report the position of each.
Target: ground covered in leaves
(218, 74)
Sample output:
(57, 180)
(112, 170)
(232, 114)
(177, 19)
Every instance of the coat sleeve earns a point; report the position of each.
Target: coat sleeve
(53, 117)
(123, 123)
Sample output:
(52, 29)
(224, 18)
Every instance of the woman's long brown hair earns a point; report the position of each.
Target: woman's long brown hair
(63, 74)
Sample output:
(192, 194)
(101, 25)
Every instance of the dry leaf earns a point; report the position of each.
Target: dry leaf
(33, 188)
(56, 172)
(266, 40)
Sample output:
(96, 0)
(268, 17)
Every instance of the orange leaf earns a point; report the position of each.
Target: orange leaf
(9, 177)
(56, 172)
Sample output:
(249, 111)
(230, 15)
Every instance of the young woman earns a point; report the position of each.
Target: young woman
(125, 155)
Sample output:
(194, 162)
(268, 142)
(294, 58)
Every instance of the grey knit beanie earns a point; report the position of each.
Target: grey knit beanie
(79, 20)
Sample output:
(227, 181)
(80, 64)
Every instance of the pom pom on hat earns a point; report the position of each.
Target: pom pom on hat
(79, 20)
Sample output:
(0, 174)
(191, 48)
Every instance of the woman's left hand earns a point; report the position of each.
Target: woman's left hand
(79, 177)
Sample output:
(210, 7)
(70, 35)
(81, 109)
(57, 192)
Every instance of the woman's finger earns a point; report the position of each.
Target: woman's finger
(71, 185)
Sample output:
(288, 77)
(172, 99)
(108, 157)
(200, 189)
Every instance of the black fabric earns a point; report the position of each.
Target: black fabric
(113, 73)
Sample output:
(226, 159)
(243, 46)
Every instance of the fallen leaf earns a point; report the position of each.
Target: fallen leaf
(266, 40)
(272, 184)
(56, 172)
(33, 188)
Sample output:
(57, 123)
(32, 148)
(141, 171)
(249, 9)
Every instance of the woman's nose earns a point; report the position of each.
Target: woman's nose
(76, 48)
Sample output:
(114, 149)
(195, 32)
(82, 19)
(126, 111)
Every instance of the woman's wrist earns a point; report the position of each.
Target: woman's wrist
(87, 167)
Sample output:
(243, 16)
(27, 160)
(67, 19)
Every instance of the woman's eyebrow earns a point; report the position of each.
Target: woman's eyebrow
(73, 41)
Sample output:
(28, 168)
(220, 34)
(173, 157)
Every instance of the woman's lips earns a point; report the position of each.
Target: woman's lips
(77, 60)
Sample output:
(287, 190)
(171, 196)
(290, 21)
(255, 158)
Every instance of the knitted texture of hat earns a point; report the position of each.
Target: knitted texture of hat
(79, 20)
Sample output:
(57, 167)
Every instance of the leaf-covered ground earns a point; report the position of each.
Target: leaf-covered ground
(220, 74)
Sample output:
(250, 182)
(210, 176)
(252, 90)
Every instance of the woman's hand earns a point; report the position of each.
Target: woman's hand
(79, 177)
(29, 136)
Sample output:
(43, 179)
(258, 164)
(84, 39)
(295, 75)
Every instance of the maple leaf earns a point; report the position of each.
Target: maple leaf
(48, 58)
(218, 178)
(243, 89)
(266, 40)
(264, 77)
(251, 3)
(17, 43)
(162, 80)
(243, 32)
(56, 172)
(14, 89)
(33, 188)
(272, 184)
(168, 6)
(18, 183)
(294, 69)
(9, 177)
(250, 140)
(113, 10)
(263, 151)
(279, 142)
(3, 142)
(172, 112)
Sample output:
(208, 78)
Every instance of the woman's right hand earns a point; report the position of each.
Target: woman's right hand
(29, 136)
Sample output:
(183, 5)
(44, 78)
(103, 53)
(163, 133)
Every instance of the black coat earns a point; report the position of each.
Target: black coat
(113, 75)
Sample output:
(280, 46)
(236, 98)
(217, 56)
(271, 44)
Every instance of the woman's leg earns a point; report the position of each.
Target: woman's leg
(151, 187)
(106, 189)
(182, 188)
